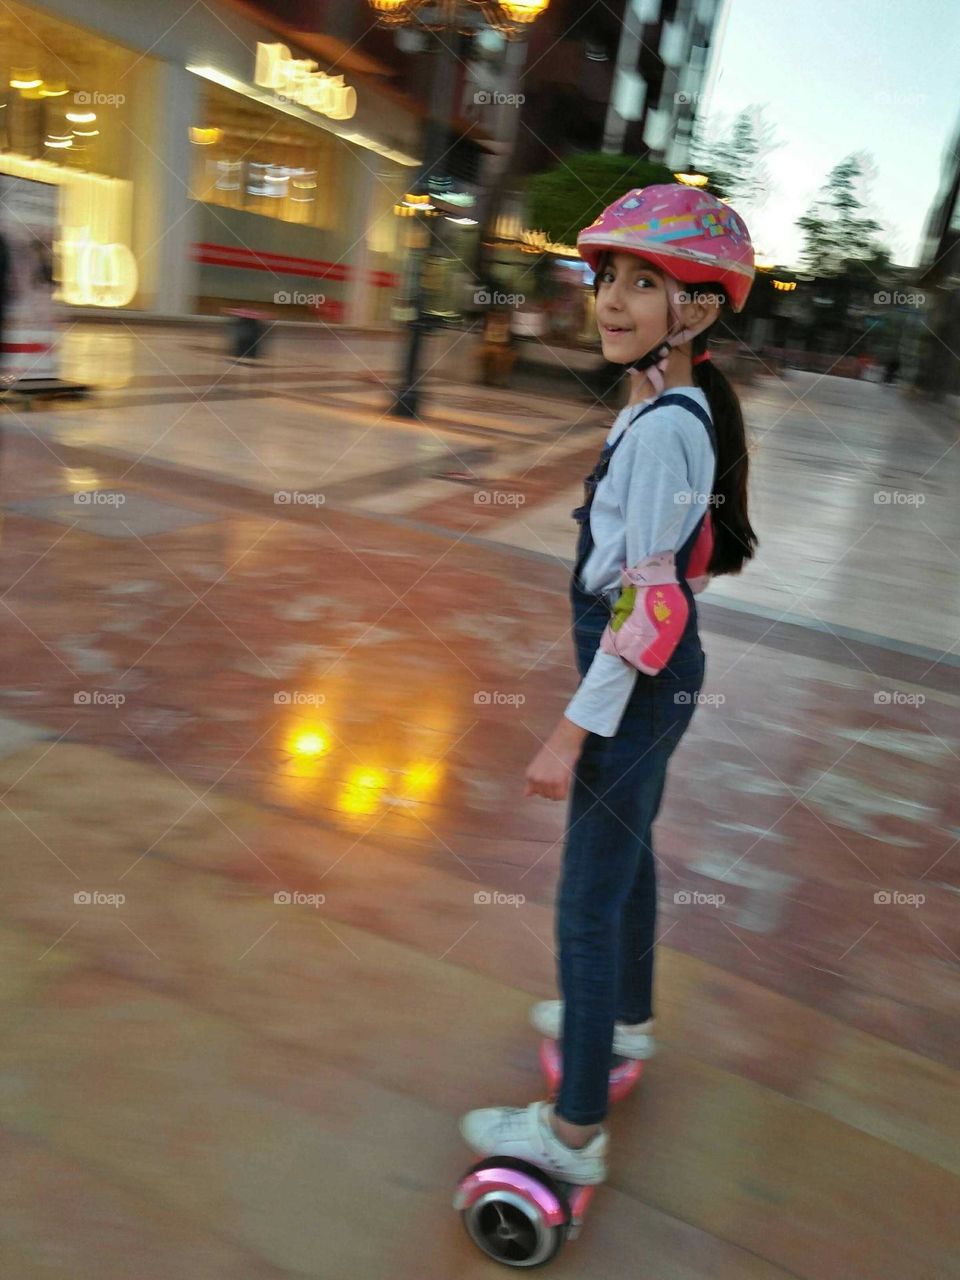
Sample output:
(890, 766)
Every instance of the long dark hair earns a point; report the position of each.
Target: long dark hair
(734, 538)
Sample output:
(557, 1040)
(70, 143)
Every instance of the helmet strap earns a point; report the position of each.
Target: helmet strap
(654, 363)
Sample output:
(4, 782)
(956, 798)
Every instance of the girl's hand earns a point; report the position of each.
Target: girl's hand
(551, 769)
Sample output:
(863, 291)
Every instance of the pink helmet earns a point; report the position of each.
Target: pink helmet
(688, 234)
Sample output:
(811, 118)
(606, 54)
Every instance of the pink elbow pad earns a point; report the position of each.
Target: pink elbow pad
(650, 615)
(697, 576)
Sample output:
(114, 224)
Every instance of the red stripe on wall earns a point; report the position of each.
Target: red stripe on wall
(211, 260)
(25, 348)
(242, 258)
(243, 251)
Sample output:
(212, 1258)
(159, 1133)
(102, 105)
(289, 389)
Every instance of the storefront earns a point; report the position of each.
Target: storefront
(202, 163)
(65, 144)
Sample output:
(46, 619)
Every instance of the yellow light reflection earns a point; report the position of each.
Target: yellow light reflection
(25, 78)
(692, 179)
(81, 478)
(311, 743)
(204, 137)
(307, 746)
(363, 790)
(421, 777)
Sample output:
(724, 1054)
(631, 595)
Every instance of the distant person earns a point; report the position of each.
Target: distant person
(891, 369)
(497, 354)
(664, 508)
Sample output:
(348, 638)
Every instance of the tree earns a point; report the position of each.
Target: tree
(835, 229)
(574, 193)
(735, 155)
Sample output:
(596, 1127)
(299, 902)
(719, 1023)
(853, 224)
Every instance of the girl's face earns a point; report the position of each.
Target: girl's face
(631, 307)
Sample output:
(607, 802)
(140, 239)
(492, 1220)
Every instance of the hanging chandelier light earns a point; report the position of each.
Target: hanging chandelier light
(509, 17)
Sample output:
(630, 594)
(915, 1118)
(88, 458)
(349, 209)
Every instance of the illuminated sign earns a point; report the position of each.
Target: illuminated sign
(298, 80)
(96, 274)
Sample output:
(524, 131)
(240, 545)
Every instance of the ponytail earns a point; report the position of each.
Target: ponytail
(734, 538)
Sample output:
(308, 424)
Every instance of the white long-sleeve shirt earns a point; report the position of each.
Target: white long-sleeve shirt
(655, 491)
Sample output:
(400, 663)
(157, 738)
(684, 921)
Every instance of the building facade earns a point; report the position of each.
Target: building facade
(201, 162)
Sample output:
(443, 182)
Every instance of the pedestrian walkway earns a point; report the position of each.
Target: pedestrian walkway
(277, 748)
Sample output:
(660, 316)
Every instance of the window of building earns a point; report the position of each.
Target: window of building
(248, 156)
(65, 94)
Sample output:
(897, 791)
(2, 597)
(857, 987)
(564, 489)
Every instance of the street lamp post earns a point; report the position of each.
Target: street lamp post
(449, 20)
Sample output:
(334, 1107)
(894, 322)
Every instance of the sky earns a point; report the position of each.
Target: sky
(842, 76)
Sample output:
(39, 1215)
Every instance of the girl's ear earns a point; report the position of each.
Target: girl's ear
(699, 310)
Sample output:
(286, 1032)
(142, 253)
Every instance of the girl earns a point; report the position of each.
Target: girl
(665, 508)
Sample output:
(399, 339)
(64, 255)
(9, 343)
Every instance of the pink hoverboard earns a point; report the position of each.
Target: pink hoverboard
(520, 1215)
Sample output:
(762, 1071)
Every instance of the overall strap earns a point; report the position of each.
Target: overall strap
(688, 403)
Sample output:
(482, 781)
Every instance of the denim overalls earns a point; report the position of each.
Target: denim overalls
(607, 898)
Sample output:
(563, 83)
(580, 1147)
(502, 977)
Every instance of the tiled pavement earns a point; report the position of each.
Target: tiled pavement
(210, 697)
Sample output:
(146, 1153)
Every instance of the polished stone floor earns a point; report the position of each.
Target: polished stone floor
(260, 639)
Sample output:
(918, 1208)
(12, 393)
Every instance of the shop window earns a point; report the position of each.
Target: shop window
(65, 94)
(247, 156)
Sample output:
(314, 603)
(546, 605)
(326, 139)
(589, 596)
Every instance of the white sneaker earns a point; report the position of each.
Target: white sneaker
(525, 1133)
(628, 1041)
